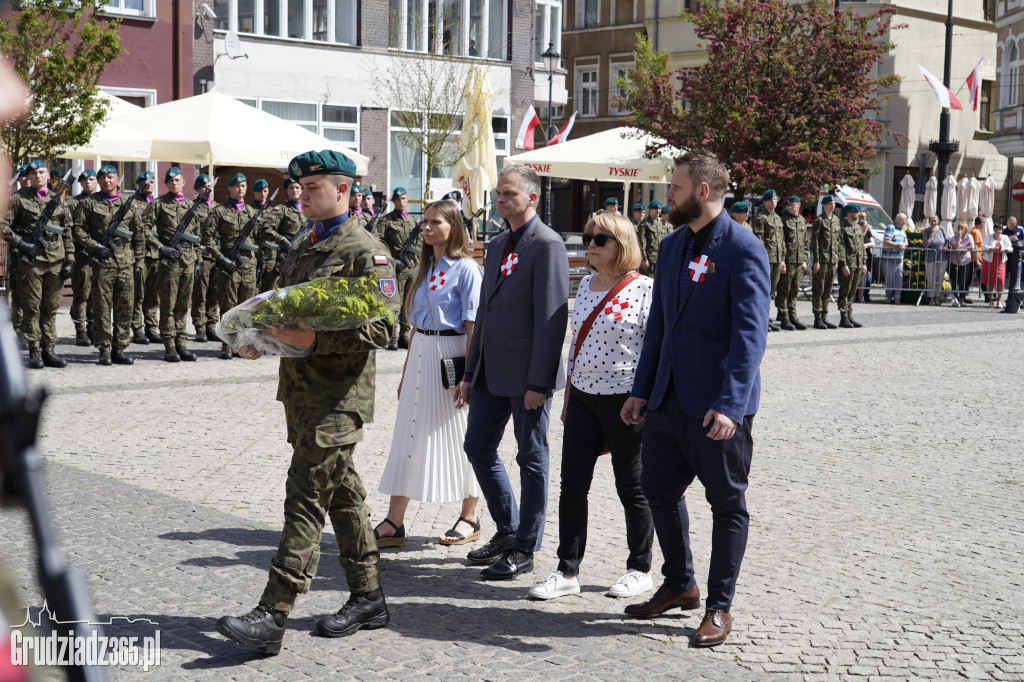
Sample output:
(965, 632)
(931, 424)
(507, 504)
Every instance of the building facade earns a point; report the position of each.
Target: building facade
(1006, 100)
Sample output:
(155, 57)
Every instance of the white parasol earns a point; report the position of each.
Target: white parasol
(987, 204)
(931, 195)
(907, 195)
(949, 203)
(973, 200)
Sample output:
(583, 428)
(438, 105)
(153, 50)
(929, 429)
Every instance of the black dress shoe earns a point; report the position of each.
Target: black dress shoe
(664, 600)
(367, 611)
(513, 563)
(261, 629)
(493, 550)
(119, 358)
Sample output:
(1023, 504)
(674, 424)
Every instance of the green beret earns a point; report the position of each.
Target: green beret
(454, 195)
(610, 201)
(106, 170)
(853, 208)
(235, 179)
(35, 165)
(639, 206)
(398, 192)
(201, 180)
(22, 170)
(145, 176)
(655, 204)
(357, 188)
(740, 207)
(828, 199)
(289, 181)
(326, 162)
(172, 172)
(794, 199)
(770, 194)
(260, 184)
(87, 173)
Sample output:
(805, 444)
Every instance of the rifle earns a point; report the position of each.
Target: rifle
(20, 465)
(180, 233)
(373, 220)
(232, 255)
(43, 224)
(400, 263)
(114, 230)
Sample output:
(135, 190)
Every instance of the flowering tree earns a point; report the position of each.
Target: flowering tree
(786, 98)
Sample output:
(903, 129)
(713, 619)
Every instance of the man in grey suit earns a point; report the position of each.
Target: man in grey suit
(513, 367)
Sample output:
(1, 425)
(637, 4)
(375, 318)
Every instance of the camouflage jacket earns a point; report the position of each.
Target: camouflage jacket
(794, 235)
(826, 240)
(340, 374)
(202, 215)
(164, 216)
(396, 230)
(854, 254)
(223, 227)
(92, 218)
(652, 231)
(283, 222)
(768, 228)
(22, 215)
(151, 242)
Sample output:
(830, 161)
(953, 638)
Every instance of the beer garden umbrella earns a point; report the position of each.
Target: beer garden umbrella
(931, 191)
(987, 204)
(973, 198)
(475, 174)
(907, 195)
(949, 204)
(113, 141)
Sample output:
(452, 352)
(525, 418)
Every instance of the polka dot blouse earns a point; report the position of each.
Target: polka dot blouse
(608, 358)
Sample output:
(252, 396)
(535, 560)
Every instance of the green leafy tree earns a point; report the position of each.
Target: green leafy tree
(786, 98)
(60, 48)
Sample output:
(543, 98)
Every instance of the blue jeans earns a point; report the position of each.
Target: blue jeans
(488, 416)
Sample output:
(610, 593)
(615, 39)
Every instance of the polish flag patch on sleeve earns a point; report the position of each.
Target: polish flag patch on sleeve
(378, 259)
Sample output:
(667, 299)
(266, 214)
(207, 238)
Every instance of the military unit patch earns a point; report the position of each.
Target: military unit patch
(388, 287)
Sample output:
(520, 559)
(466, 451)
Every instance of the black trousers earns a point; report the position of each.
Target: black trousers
(677, 450)
(591, 422)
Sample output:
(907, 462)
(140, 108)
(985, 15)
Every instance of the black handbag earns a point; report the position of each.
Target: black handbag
(452, 369)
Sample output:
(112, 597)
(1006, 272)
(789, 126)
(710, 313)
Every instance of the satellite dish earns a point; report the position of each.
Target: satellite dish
(232, 45)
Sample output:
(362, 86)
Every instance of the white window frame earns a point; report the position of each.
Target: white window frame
(594, 84)
(307, 24)
(613, 88)
(148, 9)
(318, 122)
(548, 6)
(402, 36)
(1011, 74)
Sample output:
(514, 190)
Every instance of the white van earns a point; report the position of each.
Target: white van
(877, 218)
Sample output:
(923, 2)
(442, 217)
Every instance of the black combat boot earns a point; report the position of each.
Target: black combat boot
(104, 358)
(184, 353)
(772, 327)
(261, 629)
(225, 351)
(784, 323)
(403, 341)
(119, 358)
(82, 338)
(844, 322)
(367, 611)
(139, 338)
(795, 321)
(200, 334)
(35, 359)
(828, 325)
(51, 359)
(211, 333)
(819, 323)
(171, 355)
(853, 322)
(393, 343)
(153, 336)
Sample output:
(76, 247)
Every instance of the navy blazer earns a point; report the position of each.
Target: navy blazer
(711, 342)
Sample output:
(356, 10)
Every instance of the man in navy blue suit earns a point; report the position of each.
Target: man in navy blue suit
(699, 379)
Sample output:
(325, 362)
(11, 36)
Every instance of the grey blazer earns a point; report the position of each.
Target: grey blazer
(522, 319)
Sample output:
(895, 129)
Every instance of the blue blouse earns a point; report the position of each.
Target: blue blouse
(452, 290)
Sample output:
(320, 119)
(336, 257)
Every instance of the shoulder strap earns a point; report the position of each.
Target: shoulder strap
(585, 329)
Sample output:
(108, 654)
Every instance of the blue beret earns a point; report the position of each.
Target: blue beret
(172, 172)
(828, 199)
(87, 173)
(235, 179)
(853, 208)
(770, 194)
(740, 207)
(611, 201)
(35, 165)
(260, 184)
(289, 181)
(145, 176)
(794, 199)
(654, 204)
(106, 170)
(326, 162)
(201, 180)
(398, 192)
(639, 206)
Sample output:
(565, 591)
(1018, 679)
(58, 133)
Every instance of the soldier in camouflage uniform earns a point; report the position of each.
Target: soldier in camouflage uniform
(260, 202)
(236, 280)
(355, 201)
(638, 215)
(205, 312)
(398, 225)
(327, 397)
(175, 282)
(852, 265)
(827, 250)
(740, 212)
(366, 207)
(21, 173)
(794, 241)
(144, 313)
(652, 230)
(81, 280)
(768, 228)
(41, 272)
(283, 223)
(113, 280)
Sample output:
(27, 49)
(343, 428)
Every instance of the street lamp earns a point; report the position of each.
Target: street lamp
(551, 59)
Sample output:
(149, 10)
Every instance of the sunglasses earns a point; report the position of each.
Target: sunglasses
(599, 239)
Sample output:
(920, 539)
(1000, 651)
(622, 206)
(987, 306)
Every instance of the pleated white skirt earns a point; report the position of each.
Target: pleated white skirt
(427, 462)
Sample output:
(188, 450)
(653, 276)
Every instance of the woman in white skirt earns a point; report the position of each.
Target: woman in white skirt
(427, 462)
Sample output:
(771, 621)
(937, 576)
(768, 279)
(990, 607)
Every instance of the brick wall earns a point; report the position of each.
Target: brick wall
(202, 47)
(373, 136)
(374, 16)
(521, 48)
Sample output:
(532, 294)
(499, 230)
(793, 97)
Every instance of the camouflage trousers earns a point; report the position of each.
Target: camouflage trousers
(269, 279)
(12, 286)
(774, 276)
(175, 289)
(404, 291)
(39, 289)
(241, 286)
(146, 297)
(322, 482)
(822, 287)
(113, 290)
(81, 287)
(847, 288)
(786, 291)
(205, 310)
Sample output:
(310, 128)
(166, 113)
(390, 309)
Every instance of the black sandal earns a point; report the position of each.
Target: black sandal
(461, 539)
(396, 540)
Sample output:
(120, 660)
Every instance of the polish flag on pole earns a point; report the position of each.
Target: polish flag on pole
(974, 84)
(945, 96)
(564, 132)
(524, 140)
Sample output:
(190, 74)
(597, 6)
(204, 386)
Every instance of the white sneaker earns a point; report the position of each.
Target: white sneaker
(556, 585)
(631, 584)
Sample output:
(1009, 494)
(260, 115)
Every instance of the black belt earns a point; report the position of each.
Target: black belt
(435, 332)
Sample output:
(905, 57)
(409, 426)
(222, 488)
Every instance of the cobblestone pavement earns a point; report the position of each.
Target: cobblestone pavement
(885, 535)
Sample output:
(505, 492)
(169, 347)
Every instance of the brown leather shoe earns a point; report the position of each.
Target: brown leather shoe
(664, 599)
(713, 629)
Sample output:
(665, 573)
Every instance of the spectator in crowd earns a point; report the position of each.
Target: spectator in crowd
(933, 241)
(959, 248)
(978, 238)
(1015, 235)
(894, 245)
(993, 265)
(864, 290)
